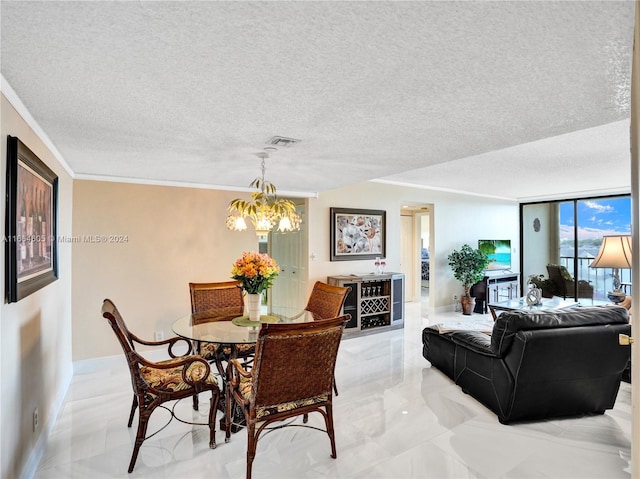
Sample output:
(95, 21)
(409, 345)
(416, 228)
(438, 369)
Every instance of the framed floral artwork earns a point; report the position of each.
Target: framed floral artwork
(357, 234)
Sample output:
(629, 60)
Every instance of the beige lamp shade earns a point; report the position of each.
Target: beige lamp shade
(615, 252)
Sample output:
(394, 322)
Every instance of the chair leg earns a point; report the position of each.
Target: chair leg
(328, 420)
(133, 410)
(252, 442)
(335, 388)
(195, 402)
(218, 360)
(143, 422)
(229, 404)
(215, 398)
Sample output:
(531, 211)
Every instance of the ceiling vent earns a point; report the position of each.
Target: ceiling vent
(282, 141)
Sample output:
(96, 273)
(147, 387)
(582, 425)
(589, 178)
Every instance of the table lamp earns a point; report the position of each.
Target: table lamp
(615, 252)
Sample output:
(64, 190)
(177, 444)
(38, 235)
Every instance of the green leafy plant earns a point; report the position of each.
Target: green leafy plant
(538, 280)
(468, 266)
(545, 284)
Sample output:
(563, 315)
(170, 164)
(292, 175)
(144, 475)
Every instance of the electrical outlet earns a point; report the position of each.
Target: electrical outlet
(35, 419)
(159, 335)
(455, 298)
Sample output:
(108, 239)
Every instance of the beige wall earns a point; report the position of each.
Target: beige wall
(169, 237)
(35, 332)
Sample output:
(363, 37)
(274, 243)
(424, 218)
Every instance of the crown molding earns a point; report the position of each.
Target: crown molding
(13, 98)
(186, 184)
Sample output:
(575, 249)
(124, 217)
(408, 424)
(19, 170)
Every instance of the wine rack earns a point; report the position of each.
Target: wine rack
(375, 303)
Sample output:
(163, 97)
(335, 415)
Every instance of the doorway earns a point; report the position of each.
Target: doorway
(424, 221)
(415, 260)
(289, 250)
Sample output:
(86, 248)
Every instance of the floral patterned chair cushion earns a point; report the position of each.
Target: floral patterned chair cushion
(208, 350)
(262, 411)
(154, 383)
(172, 379)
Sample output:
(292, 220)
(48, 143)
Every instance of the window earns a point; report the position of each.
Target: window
(568, 233)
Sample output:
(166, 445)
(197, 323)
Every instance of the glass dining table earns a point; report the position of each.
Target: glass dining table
(203, 327)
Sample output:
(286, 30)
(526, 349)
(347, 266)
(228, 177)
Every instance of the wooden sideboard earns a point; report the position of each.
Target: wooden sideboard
(375, 302)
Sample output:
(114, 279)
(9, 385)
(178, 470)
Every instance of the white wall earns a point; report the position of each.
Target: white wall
(456, 219)
(424, 230)
(35, 332)
(540, 245)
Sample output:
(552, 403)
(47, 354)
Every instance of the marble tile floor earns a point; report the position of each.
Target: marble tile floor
(395, 417)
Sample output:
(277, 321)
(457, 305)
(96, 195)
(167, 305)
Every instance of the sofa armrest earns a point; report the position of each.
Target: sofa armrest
(476, 341)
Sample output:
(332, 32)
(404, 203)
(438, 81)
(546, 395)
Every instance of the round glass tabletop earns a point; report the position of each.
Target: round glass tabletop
(197, 328)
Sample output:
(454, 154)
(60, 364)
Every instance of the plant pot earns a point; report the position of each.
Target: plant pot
(547, 293)
(468, 303)
(253, 305)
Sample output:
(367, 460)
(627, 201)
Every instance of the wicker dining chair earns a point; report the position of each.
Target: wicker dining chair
(292, 375)
(221, 301)
(326, 300)
(155, 383)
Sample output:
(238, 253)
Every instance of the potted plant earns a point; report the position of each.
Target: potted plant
(468, 266)
(545, 284)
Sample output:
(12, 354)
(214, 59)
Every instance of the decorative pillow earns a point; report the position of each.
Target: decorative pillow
(565, 274)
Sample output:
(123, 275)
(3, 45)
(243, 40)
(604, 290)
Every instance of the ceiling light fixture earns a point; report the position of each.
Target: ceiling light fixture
(265, 209)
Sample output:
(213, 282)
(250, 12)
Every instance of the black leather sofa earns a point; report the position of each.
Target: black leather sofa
(538, 365)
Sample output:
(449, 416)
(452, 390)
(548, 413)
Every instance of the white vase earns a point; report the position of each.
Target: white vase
(253, 305)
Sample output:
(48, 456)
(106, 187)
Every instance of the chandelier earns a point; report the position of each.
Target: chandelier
(264, 210)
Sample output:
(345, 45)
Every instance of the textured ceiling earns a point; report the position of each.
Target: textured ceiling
(520, 99)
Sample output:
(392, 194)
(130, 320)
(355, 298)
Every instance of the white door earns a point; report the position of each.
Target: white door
(408, 256)
(289, 250)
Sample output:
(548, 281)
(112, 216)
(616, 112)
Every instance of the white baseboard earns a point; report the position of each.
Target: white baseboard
(87, 366)
(34, 457)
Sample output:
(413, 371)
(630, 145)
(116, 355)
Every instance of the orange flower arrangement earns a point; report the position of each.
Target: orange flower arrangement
(256, 271)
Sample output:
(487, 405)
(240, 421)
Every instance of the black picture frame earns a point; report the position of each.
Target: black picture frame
(357, 234)
(31, 223)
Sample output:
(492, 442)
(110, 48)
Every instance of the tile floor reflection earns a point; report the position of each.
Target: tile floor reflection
(395, 417)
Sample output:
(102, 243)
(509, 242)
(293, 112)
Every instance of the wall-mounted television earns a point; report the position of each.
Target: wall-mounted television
(499, 253)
